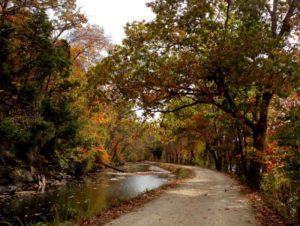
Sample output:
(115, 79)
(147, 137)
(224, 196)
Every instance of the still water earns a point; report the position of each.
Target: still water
(83, 198)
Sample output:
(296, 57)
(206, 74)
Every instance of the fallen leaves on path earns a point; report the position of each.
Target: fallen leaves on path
(264, 213)
(127, 206)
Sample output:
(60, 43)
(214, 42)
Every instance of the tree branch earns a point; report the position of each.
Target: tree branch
(182, 107)
(286, 25)
(269, 9)
(227, 13)
(235, 114)
(274, 17)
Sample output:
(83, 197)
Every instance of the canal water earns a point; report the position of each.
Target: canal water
(83, 198)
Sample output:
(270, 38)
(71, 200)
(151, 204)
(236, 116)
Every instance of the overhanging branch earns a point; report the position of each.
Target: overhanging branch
(182, 107)
(286, 24)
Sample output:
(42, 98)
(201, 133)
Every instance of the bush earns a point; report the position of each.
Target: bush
(12, 132)
(132, 157)
(282, 193)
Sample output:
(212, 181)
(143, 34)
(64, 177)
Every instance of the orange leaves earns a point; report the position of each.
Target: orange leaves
(100, 118)
(271, 148)
(102, 155)
(98, 153)
(178, 35)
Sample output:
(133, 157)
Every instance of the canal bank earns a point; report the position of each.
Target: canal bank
(84, 199)
(180, 174)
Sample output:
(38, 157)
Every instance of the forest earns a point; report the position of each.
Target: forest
(207, 82)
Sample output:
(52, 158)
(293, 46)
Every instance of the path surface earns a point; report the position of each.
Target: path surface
(210, 198)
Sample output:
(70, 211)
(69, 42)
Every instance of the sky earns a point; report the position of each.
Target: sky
(113, 15)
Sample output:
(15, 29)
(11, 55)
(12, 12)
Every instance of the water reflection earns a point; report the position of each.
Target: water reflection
(80, 199)
(135, 185)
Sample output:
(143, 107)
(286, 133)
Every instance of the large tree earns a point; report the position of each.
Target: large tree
(36, 116)
(235, 55)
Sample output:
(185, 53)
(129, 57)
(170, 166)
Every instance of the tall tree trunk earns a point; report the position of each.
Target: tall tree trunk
(229, 160)
(298, 214)
(192, 154)
(256, 164)
(255, 168)
(240, 150)
(217, 159)
(259, 131)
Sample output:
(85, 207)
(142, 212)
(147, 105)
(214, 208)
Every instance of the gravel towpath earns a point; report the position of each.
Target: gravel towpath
(209, 199)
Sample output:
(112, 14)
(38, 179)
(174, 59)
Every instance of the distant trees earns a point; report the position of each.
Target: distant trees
(207, 136)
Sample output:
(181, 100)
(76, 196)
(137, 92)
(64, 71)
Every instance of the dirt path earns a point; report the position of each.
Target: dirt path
(210, 198)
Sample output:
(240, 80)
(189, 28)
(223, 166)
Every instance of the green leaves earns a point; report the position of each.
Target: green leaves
(11, 131)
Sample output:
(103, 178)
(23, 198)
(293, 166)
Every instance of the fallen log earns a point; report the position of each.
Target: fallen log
(114, 168)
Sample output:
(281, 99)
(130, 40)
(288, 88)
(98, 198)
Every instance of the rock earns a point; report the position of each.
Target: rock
(21, 176)
(58, 182)
(41, 183)
(12, 189)
(6, 175)
(63, 176)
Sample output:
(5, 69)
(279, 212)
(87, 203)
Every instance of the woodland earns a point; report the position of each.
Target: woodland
(213, 83)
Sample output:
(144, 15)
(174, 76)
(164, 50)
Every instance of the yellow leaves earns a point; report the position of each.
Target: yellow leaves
(102, 155)
(149, 97)
(68, 16)
(105, 157)
(256, 154)
(178, 35)
(98, 153)
(100, 118)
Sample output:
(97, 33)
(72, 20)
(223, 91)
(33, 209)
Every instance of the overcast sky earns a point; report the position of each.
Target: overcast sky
(113, 15)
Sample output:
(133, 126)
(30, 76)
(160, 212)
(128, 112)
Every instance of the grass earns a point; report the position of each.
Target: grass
(19, 222)
(56, 221)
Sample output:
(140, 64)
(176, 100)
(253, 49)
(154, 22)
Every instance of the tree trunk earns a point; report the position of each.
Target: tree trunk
(114, 168)
(219, 165)
(298, 214)
(256, 164)
(259, 131)
(240, 151)
(230, 161)
(254, 174)
(217, 161)
(192, 154)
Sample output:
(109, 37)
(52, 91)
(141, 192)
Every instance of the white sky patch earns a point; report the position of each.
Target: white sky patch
(113, 15)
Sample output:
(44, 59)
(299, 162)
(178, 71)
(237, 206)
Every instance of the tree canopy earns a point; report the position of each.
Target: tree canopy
(235, 55)
(221, 79)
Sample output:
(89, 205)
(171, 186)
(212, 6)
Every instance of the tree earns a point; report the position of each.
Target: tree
(287, 138)
(88, 44)
(36, 115)
(235, 55)
(65, 14)
(177, 134)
